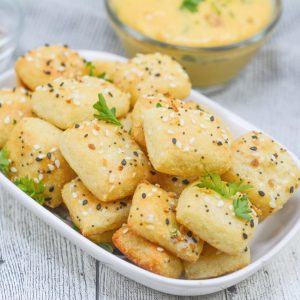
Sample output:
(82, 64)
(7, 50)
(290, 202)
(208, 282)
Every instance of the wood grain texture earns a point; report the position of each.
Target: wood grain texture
(277, 281)
(36, 262)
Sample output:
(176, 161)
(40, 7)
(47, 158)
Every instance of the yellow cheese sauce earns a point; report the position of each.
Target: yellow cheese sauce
(212, 23)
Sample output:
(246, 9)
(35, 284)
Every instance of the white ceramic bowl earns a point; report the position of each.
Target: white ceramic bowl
(271, 236)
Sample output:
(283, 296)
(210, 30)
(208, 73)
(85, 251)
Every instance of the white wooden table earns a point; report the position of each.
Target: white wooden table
(37, 263)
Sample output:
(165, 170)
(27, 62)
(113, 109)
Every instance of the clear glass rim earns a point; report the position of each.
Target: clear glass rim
(277, 5)
(11, 36)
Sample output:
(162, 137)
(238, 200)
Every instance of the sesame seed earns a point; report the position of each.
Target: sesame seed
(111, 178)
(13, 169)
(7, 120)
(174, 141)
(144, 195)
(160, 249)
(192, 140)
(41, 156)
(95, 132)
(220, 203)
(254, 148)
(84, 202)
(57, 163)
(51, 167)
(261, 193)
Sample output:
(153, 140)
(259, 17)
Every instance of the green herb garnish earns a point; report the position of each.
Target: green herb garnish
(107, 246)
(103, 76)
(106, 114)
(191, 5)
(241, 207)
(158, 104)
(31, 188)
(229, 191)
(91, 67)
(4, 161)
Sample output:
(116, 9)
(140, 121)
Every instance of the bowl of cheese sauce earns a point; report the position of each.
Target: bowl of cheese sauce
(212, 39)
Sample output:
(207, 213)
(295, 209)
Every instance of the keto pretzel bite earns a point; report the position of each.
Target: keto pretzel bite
(127, 122)
(186, 142)
(96, 220)
(149, 101)
(270, 169)
(33, 151)
(106, 159)
(151, 73)
(174, 184)
(213, 263)
(211, 217)
(103, 68)
(42, 65)
(15, 104)
(105, 237)
(65, 102)
(147, 255)
(152, 216)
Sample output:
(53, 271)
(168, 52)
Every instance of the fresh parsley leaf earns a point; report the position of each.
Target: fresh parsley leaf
(103, 76)
(241, 207)
(91, 67)
(107, 246)
(227, 190)
(191, 5)
(158, 104)
(238, 187)
(4, 161)
(31, 188)
(106, 114)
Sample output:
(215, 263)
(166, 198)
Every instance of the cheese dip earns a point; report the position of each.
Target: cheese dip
(195, 23)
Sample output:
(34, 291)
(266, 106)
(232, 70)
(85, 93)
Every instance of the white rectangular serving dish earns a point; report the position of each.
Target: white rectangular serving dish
(272, 235)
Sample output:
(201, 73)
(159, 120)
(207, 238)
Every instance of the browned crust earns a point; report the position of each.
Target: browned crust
(145, 254)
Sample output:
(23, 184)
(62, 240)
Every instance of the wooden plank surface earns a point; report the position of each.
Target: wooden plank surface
(278, 280)
(36, 262)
